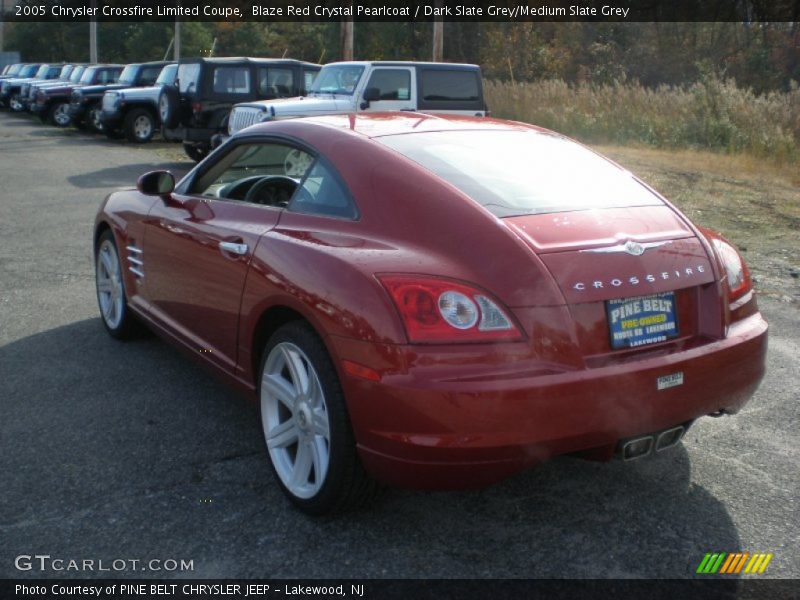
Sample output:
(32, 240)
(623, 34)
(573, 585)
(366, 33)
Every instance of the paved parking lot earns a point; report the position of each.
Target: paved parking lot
(130, 451)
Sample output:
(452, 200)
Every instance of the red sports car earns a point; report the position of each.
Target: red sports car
(433, 302)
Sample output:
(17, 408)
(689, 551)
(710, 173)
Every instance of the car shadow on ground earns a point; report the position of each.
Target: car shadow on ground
(125, 175)
(114, 449)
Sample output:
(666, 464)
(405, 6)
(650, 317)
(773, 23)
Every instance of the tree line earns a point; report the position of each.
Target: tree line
(763, 57)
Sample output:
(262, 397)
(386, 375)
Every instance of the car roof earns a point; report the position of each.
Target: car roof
(239, 59)
(378, 124)
(407, 63)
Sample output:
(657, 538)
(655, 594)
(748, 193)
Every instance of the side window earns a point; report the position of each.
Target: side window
(188, 78)
(107, 76)
(308, 78)
(449, 86)
(149, 75)
(322, 194)
(266, 173)
(274, 82)
(232, 80)
(392, 84)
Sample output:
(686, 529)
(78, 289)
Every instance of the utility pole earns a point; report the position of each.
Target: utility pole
(438, 35)
(177, 38)
(93, 36)
(2, 24)
(347, 39)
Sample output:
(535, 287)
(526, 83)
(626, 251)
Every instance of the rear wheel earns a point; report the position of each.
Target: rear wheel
(139, 126)
(306, 426)
(59, 114)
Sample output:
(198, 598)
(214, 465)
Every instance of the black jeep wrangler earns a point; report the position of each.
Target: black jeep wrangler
(196, 107)
(85, 102)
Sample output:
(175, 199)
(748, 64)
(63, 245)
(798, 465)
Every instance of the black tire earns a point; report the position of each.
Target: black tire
(125, 326)
(169, 106)
(133, 125)
(93, 122)
(195, 152)
(345, 485)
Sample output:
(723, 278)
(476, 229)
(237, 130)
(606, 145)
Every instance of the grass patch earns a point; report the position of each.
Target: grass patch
(712, 114)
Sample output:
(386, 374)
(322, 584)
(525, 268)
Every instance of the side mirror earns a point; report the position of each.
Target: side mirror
(156, 183)
(370, 95)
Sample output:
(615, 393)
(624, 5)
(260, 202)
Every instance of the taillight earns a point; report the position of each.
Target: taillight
(437, 310)
(197, 108)
(738, 275)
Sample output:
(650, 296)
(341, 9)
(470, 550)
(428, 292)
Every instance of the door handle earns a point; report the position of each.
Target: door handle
(233, 248)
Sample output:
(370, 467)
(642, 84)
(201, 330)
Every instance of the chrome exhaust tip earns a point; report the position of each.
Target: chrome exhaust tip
(669, 438)
(637, 448)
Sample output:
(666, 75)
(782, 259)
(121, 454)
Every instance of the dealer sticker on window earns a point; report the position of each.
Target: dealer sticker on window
(642, 320)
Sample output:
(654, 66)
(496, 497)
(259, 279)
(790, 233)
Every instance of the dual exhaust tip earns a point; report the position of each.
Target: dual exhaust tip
(640, 447)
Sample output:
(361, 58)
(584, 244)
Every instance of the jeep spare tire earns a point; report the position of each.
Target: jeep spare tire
(168, 105)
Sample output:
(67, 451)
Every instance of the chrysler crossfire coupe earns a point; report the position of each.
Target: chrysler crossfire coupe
(433, 302)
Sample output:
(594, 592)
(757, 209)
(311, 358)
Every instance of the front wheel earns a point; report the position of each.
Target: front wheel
(118, 320)
(93, 118)
(306, 426)
(139, 126)
(59, 114)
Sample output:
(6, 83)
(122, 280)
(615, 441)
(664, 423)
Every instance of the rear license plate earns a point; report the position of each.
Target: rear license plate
(643, 320)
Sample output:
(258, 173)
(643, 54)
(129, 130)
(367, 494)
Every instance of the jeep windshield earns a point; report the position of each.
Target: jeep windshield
(128, 75)
(88, 75)
(337, 80)
(76, 75)
(28, 71)
(42, 72)
(514, 173)
(167, 75)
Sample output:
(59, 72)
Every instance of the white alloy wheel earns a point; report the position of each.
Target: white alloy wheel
(294, 416)
(61, 114)
(143, 127)
(110, 289)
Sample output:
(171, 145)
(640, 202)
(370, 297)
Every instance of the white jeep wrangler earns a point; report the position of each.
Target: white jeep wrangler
(349, 87)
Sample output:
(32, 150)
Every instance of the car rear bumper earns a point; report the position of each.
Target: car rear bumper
(434, 429)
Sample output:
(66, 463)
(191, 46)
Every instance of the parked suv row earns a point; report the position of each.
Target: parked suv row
(199, 101)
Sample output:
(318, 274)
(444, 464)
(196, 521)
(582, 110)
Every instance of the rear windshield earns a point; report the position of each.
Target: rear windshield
(167, 75)
(518, 172)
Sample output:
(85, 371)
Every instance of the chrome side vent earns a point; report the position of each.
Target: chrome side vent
(135, 262)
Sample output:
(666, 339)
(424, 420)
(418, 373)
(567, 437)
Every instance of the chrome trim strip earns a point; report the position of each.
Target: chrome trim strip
(136, 271)
(135, 261)
(631, 247)
(133, 249)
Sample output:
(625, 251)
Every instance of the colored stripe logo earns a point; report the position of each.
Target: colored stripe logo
(733, 563)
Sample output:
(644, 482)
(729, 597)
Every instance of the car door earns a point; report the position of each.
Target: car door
(198, 245)
(396, 88)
